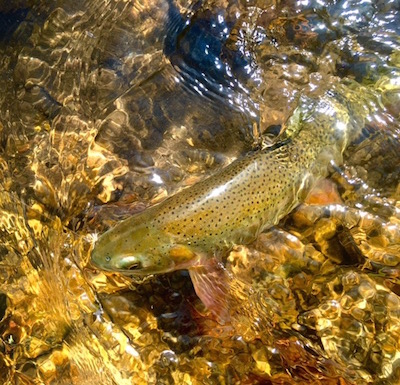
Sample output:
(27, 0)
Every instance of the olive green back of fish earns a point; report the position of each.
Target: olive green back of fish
(234, 205)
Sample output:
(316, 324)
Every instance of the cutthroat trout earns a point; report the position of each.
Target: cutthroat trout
(193, 228)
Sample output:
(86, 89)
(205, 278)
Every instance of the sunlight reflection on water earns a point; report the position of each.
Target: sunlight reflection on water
(109, 107)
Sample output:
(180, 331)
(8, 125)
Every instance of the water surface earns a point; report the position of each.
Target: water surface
(110, 106)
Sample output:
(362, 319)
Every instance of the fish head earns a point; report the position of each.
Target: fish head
(140, 249)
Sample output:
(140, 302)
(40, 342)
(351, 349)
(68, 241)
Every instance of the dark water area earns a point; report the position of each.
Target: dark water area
(10, 21)
(108, 107)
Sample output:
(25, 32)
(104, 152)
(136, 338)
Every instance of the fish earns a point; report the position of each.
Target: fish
(194, 228)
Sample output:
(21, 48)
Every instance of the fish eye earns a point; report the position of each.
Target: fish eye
(108, 258)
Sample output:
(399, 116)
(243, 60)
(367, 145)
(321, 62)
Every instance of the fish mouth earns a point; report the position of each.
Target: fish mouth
(96, 263)
(114, 269)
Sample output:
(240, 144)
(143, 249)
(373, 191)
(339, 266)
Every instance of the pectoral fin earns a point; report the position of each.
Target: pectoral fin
(323, 193)
(211, 283)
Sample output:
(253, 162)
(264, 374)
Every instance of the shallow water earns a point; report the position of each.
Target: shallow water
(108, 107)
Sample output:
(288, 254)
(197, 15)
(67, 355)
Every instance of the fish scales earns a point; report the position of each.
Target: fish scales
(234, 205)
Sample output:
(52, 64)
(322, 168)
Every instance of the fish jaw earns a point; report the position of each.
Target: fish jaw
(119, 250)
(133, 248)
(130, 248)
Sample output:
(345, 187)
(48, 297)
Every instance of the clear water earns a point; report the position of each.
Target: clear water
(108, 107)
